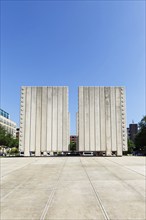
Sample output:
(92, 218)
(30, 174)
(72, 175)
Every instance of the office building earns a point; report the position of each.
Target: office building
(132, 131)
(7, 123)
(101, 125)
(73, 138)
(44, 120)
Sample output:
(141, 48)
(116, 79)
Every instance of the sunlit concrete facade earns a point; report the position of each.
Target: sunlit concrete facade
(44, 120)
(102, 120)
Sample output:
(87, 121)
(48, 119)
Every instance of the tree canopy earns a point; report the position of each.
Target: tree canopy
(72, 146)
(140, 139)
(131, 146)
(7, 139)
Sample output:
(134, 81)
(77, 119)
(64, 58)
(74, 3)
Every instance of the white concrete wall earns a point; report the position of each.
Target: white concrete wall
(102, 119)
(68, 128)
(81, 115)
(77, 124)
(44, 120)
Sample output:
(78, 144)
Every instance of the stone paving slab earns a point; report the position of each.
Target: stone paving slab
(74, 188)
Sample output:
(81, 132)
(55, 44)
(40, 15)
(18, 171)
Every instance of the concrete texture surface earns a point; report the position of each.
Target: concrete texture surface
(102, 119)
(74, 188)
(44, 119)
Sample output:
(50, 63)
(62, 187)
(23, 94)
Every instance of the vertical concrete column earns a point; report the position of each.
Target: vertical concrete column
(60, 111)
(65, 118)
(27, 121)
(68, 134)
(33, 119)
(38, 121)
(68, 122)
(123, 110)
(77, 123)
(22, 120)
(44, 121)
(49, 118)
(118, 121)
(91, 119)
(77, 130)
(86, 127)
(113, 120)
(108, 121)
(55, 119)
(102, 120)
(81, 120)
(97, 119)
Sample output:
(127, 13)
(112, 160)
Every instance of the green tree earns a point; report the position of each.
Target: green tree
(6, 139)
(140, 139)
(131, 146)
(15, 143)
(72, 146)
(142, 123)
(3, 136)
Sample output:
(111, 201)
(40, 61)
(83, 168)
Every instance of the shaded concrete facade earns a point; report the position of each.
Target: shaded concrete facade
(102, 120)
(44, 120)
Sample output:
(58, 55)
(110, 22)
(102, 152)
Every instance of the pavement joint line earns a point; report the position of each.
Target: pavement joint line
(17, 169)
(1, 199)
(46, 208)
(16, 187)
(4, 197)
(97, 196)
(124, 167)
(124, 182)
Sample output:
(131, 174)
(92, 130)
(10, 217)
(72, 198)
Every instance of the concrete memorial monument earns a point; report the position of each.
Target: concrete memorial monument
(102, 120)
(44, 120)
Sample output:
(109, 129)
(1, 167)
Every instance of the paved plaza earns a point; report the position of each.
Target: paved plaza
(73, 188)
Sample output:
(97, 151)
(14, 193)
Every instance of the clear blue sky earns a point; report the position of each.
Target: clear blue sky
(92, 43)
